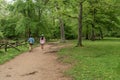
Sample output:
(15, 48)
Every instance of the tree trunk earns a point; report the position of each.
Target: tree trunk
(39, 14)
(62, 30)
(29, 32)
(29, 16)
(93, 33)
(80, 26)
(101, 33)
(93, 26)
(87, 33)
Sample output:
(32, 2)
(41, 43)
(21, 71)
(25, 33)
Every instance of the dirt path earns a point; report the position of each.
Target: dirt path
(36, 65)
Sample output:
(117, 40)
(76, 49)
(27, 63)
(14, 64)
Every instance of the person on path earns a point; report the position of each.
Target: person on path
(42, 41)
(31, 42)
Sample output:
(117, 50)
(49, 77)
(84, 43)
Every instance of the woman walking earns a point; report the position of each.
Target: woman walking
(42, 41)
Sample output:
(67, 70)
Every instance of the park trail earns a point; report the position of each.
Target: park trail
(36, 65)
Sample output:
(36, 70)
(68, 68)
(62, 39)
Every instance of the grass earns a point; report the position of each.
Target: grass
(11, 53)
(97, 60)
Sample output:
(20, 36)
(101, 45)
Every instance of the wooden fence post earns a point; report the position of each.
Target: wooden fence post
(6, 43)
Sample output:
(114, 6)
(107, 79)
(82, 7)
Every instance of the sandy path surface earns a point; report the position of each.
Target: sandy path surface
(36, 65)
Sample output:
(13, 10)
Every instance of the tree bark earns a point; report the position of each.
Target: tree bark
(101, 33)
(93, 25)
(62, 30)
(29, 16)
(87, 33)
(80, 26)
(93, 32)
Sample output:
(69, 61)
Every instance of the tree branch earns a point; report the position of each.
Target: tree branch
(70, 16)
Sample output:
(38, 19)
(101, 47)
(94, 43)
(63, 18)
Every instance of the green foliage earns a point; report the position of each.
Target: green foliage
(3, 11)
(56, 33)
(98, 60)
(1, 35)
(27, 18)
(8, 28)
(36, 17)
(69, 33)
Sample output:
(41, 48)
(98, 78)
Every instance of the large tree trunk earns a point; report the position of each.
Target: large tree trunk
(80, 26)
(62, 30)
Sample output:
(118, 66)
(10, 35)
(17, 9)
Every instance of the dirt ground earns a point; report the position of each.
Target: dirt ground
(36, 65)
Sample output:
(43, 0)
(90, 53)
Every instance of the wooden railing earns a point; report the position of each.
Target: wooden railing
(5, 45)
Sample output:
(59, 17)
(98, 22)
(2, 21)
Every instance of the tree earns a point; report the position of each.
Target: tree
(33, 17)
(79, 8)
(80, 25)
(59, 9)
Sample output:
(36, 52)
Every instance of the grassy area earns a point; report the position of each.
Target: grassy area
(11, 53)
(97, 60)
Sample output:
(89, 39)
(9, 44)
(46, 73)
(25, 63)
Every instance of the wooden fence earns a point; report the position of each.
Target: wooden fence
(5, 45)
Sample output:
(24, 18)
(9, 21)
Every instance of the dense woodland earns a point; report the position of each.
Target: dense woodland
(60, 19)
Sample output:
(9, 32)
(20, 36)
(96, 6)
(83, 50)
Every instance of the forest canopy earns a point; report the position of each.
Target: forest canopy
(59, 19)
